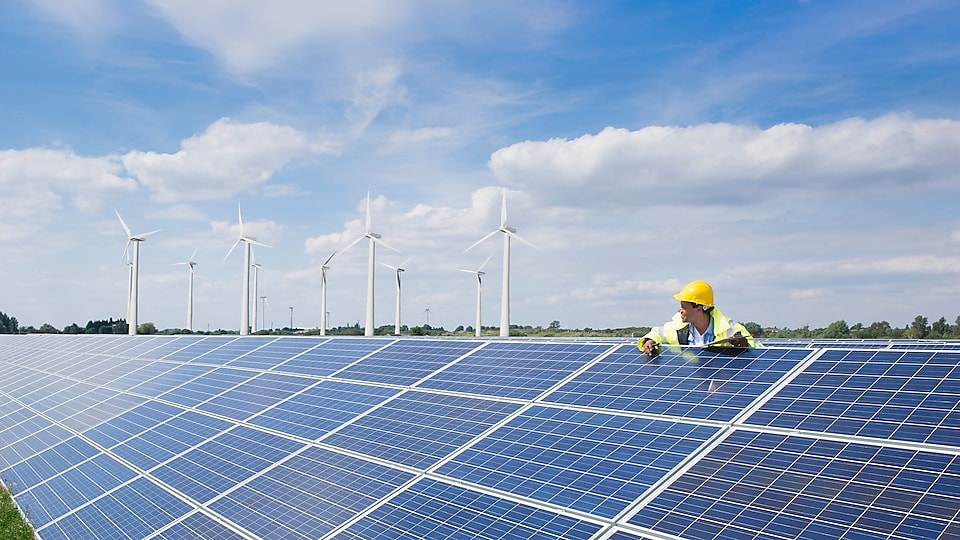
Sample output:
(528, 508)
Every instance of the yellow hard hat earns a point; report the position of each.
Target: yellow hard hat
(698, 292)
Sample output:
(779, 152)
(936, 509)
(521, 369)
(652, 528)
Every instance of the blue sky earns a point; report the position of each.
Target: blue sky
(802, 156)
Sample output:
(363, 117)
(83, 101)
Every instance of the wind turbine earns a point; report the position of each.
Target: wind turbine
(132, 290)
(398, 269)
(256, 277)
(508, 232)
(266, 305)
(478, 272)
(371, 263)
(323, 293)
(190, 264)
(245, 297)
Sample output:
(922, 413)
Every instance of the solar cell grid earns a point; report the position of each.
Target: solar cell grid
(223, 462)
(316, 490)
(198, 526)
(257, 394)
(406, 362)
(513, 370)
(169, 346)
(689, 384)
(192, 349)
(200, 389)
(274, 353)
(592, 462)
(170, 438)
(788, 486)
(232, 350)
(417, 429)
(322, 408)
(331, 355)
(431, 509)
(909, 396)
(165, 380)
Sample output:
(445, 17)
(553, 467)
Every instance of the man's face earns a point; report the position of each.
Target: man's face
(686, 310)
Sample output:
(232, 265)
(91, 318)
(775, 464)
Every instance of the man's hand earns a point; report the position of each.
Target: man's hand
(650, 347)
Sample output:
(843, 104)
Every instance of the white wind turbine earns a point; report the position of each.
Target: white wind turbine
(245, 297)
(398, 269)
(323, 293)
(134, 277)
(371, 263)
(478, 272)
(508, 232)
(190, 264)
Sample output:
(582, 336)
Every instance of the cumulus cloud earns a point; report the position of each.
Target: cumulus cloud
(226, 159)
(34, 182)
(735, 162)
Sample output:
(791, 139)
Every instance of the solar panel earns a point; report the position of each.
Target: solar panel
(187, 437)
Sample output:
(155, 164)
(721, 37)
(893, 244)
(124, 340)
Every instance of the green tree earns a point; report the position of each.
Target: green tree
(554, 325)
(47, 328)
(8, 325)
(836, 330)
(755, 329)
(940, 329)
(147, 328)
(72, 329)
(918, 328)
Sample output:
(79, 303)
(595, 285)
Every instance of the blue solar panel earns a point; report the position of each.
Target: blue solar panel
(417, 429)
(322, 437)
(273, 353)
(331, 355)
(431, 509)
(592, 462)
(322, 408)
(257, 394)
(406, 362)
(796, 487)
(899, 395)
(696, 385)
(224, 462)
(314, 492)
(514, 370)
(198, 526)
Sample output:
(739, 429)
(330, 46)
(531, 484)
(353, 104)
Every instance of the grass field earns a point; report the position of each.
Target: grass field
(12, 524)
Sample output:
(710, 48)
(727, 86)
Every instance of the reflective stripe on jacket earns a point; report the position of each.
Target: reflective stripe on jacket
(676, 332)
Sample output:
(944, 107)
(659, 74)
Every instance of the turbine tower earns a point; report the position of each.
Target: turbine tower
(323, 293)
(190, 264)
(508, 232)
(248, 241)
(134, 277)
(398, 269)
(478, 272)
(374, 239)
(256, 278)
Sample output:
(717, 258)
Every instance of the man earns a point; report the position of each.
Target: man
(697, 322)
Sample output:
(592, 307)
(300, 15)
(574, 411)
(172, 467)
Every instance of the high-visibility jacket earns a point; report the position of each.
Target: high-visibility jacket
(677, 332)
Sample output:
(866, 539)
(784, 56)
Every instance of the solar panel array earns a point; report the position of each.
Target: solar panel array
(224, 437)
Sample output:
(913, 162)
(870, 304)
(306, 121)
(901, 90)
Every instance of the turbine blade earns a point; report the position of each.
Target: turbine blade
(240, 218)
(403, 265)
(518, 237)
(194, 254)
(503, 210)
(232, 248)
(353, 243)
(484, 263)
(384, 244)
(144, 235)
(123, 223)
(330, 258)
(478, 242)
(369, 225)
(394, 268)
(253, 241)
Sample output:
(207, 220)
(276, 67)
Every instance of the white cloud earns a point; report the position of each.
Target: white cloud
(735, 163)
(249, 35)
(228, 158)
(402, 139)
(34, 181)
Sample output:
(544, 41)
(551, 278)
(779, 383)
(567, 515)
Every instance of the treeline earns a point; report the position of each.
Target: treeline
(920, 328)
